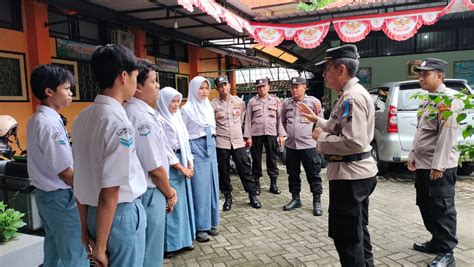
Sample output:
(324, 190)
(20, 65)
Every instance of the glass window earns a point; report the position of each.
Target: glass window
(60, 29)
(167, 79)
(10, 14)
(88, 31)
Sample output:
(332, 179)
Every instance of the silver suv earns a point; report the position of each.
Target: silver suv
(395, 121)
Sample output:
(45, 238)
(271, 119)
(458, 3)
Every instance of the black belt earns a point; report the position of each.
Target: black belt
(347, 158)
(176, 151)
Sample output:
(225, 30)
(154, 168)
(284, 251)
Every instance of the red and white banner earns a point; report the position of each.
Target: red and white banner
(397, 26)
(307, 36)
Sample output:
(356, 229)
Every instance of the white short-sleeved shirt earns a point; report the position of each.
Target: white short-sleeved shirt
(49, 152)
(150, 138)
(105, 154)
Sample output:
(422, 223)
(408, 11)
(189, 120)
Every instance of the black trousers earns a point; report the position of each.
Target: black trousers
(271, 151)
(312, 166)
(242, 162)
(348, 220)
(436, 202)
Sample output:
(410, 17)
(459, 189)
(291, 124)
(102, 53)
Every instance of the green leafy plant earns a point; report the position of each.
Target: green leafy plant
(313, 4)
(466, 150)
(10, 222)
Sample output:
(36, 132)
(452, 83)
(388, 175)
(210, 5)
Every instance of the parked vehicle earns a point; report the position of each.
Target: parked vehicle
(396, 120)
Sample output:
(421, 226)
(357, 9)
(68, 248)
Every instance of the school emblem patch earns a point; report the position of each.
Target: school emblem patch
(124, 131)
(144, 130)
(57, 138)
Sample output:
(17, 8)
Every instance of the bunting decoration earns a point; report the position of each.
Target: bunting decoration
(469, 4)
(398, 26)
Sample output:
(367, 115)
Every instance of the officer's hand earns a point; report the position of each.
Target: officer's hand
(411, 165)
(248, 142)
(307, 112)
(317, 132)
(435, 174)
(281, 140)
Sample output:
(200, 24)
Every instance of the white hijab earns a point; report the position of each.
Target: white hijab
(174, 121)
(198, 110)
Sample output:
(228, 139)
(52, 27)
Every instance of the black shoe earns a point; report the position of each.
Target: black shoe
(425, 247)
(227, 203)
(257, 192)
(213, 231)
(317, 209)
(254, 202)
(274, 189)
(443, 260)
(190, 248)
(202, 237)
(170, 254)
(294, 204)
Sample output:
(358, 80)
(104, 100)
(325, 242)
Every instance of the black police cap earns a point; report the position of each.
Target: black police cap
(343, 51)
(220, 80)
(432, 64)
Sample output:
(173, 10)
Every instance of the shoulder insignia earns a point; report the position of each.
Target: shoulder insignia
(57, 138)
(347, 113)
(124, 131)
(128, 142)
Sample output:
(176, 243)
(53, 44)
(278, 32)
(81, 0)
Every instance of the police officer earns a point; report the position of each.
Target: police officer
(300, 147)
(262, 127)
(229, 111)
(434, 160)
(345, 140)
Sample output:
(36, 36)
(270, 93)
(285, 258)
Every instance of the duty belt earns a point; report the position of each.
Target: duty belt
(347, 158)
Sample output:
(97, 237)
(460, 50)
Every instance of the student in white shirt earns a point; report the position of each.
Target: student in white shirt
(50, 168)
(198, 116)
(180, 224)
(109, 179)
(151, 147)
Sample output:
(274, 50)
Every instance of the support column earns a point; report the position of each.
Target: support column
(232, 74)
(37, 38)
(194, 60)
(140, 42)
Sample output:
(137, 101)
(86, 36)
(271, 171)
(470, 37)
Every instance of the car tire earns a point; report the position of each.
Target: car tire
(382, 166)
(466, 169)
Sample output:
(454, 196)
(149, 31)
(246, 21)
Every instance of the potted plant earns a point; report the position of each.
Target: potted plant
(10, 222)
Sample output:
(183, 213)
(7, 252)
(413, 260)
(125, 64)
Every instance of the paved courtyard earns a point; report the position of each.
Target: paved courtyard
(273, 237)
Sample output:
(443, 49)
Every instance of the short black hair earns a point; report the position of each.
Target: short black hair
(109, 61)
(145, 66)
(49, 76)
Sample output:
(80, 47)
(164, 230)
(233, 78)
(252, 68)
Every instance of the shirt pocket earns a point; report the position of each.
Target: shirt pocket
(220, 114)
(236, 113)
(257, 110)
(272, 110)
(290, 115)
(427, 124)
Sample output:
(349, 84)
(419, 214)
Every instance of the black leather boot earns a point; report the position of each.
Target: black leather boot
(228, 202)
(317, 209)
(294, 203)
(255, 202)
(273, 187)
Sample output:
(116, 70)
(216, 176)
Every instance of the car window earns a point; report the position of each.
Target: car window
(407, 90)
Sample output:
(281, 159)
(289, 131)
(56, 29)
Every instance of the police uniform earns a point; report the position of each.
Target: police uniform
(150, 145)
(434, 148)
(105, 156)
(263, 125)
(229, 141)
(351, 170)
(301, 149)
(49, 153)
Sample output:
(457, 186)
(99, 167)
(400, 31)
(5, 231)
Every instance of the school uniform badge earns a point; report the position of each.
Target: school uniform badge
(57, 138)
(144, 130)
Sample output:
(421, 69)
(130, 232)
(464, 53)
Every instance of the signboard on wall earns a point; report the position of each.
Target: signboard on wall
(74, 50)
(464, 70)
(167, 65)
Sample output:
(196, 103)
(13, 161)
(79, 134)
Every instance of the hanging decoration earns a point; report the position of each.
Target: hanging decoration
(397, 26)
(469, 4)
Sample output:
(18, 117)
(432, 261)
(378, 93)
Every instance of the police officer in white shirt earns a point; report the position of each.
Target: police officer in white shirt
(150, 143)
(109, 179)
(50, 168)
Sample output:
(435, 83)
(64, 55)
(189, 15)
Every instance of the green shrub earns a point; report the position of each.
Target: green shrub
(10, 222)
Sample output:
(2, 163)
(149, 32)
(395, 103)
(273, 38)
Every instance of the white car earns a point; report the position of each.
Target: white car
(396, 120)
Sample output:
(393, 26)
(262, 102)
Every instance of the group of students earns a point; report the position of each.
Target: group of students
(122, 195)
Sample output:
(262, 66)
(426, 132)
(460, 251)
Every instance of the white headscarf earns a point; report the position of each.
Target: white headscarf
(174, 121)
(198, 110)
